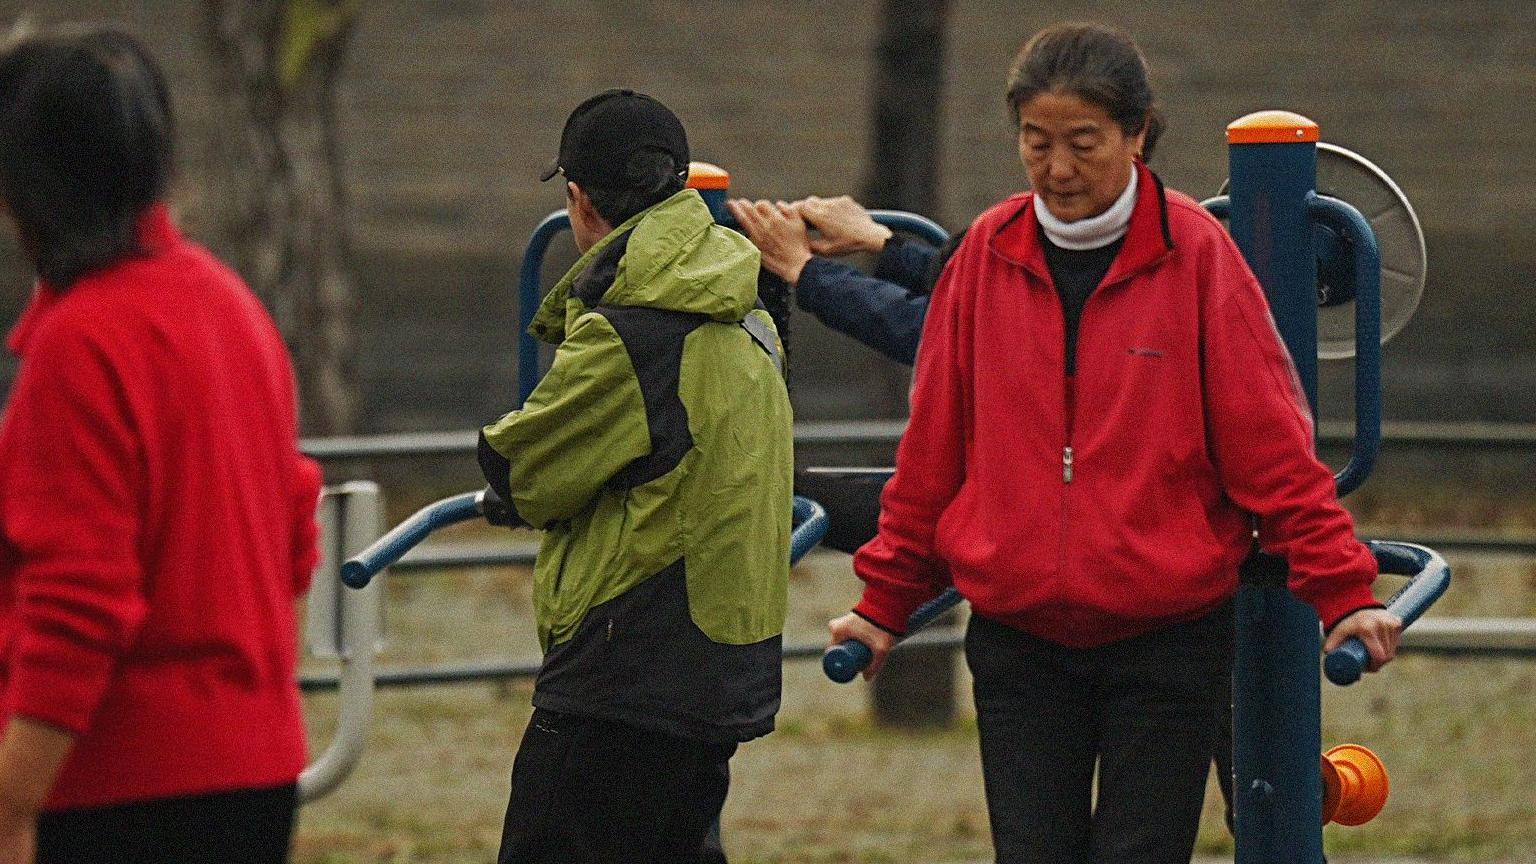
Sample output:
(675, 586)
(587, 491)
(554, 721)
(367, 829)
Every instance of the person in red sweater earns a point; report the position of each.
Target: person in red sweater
(156, 517)
(1102, 407)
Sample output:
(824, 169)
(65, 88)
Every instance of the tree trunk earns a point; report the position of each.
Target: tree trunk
(903, 168)
(275, 184)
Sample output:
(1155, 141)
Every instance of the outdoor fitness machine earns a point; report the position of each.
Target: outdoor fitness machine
(1281, 224)
(1322, 270)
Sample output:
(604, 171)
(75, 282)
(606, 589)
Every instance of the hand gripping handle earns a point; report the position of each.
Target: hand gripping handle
(848, 658)
(1431, 576)
(358, 570)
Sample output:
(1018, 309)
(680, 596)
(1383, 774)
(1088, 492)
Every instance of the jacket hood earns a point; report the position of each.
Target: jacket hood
(671, 256)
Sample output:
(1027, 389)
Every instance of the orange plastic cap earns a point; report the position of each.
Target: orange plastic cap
(703, 175)
(1355, 785)
(1271, 127)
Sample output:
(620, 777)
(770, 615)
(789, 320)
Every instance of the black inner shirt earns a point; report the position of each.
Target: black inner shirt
(1076, 273)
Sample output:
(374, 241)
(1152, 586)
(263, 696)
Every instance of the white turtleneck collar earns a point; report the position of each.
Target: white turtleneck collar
(1095, 231)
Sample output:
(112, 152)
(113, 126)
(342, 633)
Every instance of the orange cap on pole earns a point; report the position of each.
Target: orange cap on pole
(703, 175)
(1272, 127)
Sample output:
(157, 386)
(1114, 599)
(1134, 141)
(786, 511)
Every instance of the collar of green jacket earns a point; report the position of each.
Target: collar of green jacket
(675, 258)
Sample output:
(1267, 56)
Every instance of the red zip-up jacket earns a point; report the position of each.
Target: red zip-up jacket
(156, 524)
(1089, 510)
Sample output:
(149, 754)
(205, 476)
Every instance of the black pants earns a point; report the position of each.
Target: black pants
(249, 826)
(592, 791)
(1144, 712)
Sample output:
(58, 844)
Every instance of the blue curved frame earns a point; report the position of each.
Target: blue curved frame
(1352, 226)
(809, 519)
(1348, 222)
(1431, 577)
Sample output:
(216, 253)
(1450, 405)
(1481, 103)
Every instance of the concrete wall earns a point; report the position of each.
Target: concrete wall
(452, 105)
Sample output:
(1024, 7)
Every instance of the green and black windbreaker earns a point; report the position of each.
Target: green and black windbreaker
(657, 456)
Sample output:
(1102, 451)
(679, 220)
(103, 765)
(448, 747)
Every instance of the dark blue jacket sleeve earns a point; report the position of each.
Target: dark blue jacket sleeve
(908, 263)
(882, 314)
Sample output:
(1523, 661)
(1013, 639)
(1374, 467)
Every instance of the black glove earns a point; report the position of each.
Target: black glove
(499, 512)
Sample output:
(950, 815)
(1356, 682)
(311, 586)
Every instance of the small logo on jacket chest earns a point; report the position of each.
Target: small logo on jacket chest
(1145, 352)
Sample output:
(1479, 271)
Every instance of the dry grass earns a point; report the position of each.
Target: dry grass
(1458, 736)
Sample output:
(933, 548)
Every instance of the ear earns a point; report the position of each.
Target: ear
(576, 198)
(1139, 140)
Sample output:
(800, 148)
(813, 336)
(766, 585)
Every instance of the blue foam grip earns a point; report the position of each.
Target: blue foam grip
(848, 658)
(1344, 664)
(845, 660)
(359, 570)
(1430, 577)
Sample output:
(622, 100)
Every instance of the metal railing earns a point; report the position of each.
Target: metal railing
(1449, 435)
(434, 556)
(346, 626)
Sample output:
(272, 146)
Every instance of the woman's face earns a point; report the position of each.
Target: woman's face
(1078, 158)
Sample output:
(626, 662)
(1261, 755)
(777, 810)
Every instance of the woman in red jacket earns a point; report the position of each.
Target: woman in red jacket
(1101, 408)
(156, 519)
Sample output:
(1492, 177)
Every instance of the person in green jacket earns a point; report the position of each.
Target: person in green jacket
(656, 455)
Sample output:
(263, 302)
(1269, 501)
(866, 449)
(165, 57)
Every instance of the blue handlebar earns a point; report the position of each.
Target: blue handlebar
(911, 223)
(528, 299)
(847, 659)
(358, 570)
(1353, 227)
(1344, 665)
(1431, 576)
(810, 521)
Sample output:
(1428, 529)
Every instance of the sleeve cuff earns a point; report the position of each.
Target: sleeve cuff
(496, 468)
(889, 608)
(897, 633)
(889, 264)
(1328, 627)
(65, 699)
(306, 537)
(1335, 607)
(813, 277)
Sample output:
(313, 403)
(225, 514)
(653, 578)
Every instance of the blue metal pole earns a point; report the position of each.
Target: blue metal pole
(1277, 700)
(528, 296)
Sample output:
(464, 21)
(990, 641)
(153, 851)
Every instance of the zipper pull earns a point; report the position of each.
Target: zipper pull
(1066, 464)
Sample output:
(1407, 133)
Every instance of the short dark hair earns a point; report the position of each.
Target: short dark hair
(1096, 63)
(86, 137)
(651, 177)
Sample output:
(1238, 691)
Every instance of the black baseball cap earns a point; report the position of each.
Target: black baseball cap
(604, 131)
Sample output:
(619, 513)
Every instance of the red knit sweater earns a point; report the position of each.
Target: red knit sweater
(156, 524)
